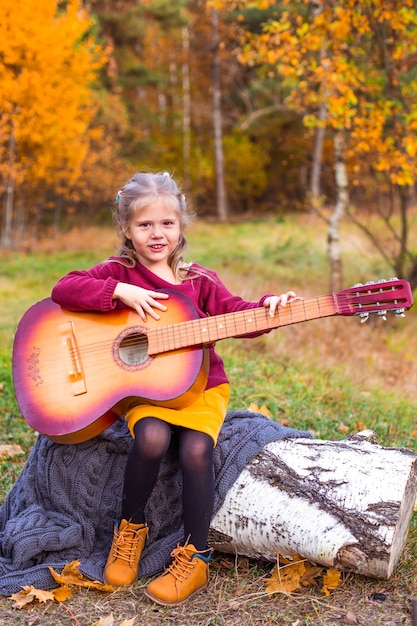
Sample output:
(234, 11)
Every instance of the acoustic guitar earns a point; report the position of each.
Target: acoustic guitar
(75, 373)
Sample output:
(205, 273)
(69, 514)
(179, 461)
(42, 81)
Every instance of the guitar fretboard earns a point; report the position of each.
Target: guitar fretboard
(210, 329)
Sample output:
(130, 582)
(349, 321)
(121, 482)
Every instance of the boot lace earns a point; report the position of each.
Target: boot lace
(126, 544)
(183, 563)
(182, 566)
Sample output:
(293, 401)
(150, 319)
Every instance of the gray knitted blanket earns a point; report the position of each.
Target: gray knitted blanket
(66, 500)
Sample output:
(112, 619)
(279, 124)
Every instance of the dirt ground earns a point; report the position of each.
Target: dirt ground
(235, 596)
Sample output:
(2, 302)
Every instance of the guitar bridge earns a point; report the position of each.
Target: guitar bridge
(76, 371)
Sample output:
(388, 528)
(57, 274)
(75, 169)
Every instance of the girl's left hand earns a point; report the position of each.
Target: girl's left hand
(272, 302)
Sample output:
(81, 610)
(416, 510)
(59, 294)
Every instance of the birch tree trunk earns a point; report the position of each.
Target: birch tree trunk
(315, 186)
(343, 504)
(8, 206)
(217, 121)
(186, 107)
(333, 236)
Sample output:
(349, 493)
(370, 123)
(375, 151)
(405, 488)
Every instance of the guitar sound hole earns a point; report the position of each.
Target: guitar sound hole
(133, 349)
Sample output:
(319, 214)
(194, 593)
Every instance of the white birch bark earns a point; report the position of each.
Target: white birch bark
(8, 206)
(343, 504)
(333, 233)
(186, 107)
(217, 121)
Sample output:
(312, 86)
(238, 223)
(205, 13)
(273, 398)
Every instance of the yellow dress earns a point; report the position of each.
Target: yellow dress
(206, 414)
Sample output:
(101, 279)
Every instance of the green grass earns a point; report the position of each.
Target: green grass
(323, 402)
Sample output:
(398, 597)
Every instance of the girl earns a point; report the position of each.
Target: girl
(151, 218)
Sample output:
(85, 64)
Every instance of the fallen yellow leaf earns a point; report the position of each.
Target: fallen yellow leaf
(312, 572)
(360, 426)
(29, 594)
(331, 580)
(10, 450)
(263, 409)
(285, 579)
(71, 576)
(62, 593)
(293, 573)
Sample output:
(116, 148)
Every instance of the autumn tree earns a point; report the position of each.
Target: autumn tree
(350, 67)
(265, 153)
(171, 77)
(48, 62)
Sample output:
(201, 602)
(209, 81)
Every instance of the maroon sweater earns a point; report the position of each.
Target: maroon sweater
(92, 290)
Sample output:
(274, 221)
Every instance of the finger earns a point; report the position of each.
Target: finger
(141, 312)
(273, 306)
(158, 305)
(148, 309)
(288, 297)
(158, 294)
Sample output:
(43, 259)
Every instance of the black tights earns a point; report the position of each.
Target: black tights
(152, 439)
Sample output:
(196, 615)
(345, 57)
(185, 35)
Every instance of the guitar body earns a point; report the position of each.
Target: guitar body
(75, 373)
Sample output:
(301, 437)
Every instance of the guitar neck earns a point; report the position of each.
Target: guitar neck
(210, 329)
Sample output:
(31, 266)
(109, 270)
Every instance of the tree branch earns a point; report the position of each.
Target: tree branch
(252, 117)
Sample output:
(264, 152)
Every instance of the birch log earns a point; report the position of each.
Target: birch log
(343, 504)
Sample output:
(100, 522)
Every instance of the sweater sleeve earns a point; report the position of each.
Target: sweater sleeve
(87, 290)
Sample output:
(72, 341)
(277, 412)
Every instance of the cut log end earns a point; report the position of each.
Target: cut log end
(351, 558)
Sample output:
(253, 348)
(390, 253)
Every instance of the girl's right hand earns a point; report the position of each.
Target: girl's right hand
(143, 301)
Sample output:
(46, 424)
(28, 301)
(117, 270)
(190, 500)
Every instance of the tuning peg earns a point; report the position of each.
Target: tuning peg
(399, 313)
(357, 285)
(382, 315)
(364, 317)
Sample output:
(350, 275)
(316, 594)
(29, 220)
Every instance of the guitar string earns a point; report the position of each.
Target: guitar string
(188, 332)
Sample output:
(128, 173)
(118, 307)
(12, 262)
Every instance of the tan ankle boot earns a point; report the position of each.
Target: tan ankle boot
(187, 574)
(123, 560)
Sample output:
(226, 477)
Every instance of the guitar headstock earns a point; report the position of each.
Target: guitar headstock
(380, 297)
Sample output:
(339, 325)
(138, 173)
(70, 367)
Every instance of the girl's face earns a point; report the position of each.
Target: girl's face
(154, 232)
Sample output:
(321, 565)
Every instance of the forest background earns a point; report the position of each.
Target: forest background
(256, 107)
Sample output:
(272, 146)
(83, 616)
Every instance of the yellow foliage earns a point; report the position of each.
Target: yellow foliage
(263, 409)
(286, 579)
(289, 575)
(30, 594)
(333, 57)
(332, 580)
(62, 593)
(69, 579)
(72, 577)
(48, 63)
(10, 450)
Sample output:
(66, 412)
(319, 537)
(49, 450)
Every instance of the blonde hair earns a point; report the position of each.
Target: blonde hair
(139, 191)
